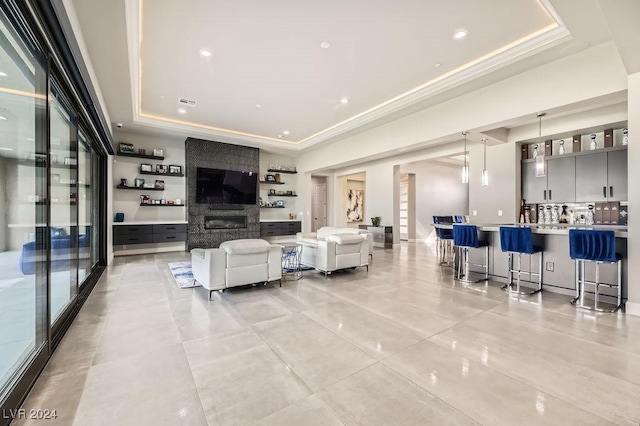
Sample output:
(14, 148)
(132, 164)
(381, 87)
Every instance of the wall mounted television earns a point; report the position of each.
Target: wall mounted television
(216, 186)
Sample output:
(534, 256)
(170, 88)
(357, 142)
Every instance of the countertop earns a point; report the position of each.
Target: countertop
(152, 222)
(555, 229)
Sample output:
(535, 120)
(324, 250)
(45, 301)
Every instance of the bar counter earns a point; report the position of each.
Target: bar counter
(558, 268)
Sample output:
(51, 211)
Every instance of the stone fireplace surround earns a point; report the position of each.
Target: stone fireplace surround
(218, 155)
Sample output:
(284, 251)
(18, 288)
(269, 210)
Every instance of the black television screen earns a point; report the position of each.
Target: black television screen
(215, 186)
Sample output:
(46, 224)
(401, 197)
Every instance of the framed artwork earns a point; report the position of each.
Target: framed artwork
(146, 168)
(355, 205)
(139, 183)
(158, 152)
(161, 168)
(175, 170)
(270, 178)
(159, 184)
(126, 147)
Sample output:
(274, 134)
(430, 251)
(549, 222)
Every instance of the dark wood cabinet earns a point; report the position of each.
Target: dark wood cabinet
(279, 228)
(146, 234)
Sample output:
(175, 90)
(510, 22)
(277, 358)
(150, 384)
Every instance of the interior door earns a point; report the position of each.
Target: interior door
(404, 208)
(319, 206)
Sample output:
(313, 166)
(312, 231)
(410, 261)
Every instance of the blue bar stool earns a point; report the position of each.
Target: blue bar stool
(596, 246)
(518, 240)
(444, 238)
(465, 237)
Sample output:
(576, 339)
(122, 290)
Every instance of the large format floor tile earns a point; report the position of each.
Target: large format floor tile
(400, 344)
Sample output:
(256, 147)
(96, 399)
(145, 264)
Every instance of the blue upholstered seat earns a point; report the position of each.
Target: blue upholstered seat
(467, 236)
(517, 240)
(594, 245)
(443, 234)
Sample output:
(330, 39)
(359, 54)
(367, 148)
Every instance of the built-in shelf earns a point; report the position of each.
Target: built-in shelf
(272, 207)
(161, 205)
(271, 183)
(282, 195)
(136, 155)
(162, 174)
(282, 171)
(139, 188)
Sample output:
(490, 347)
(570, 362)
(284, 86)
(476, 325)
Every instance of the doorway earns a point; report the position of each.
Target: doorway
(319, 204)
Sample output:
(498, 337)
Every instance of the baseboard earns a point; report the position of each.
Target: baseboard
(632, 308)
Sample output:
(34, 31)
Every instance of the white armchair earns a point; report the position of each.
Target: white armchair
(338, 251)
(235, 263)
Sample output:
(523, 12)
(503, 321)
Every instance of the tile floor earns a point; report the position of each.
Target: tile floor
(401, 345)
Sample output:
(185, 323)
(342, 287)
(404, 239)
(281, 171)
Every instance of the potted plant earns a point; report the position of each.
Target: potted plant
(375, 221)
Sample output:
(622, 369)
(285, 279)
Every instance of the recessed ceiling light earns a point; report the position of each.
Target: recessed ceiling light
(437, 64)
(285, 132)
(206, 53)
(3, 74)
(182, 111)
(2, 117)
(5, 149)
(258, 106)
(460, 34)
(325, 45)
(344, 100)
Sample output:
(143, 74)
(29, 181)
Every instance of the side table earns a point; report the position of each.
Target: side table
(291, 257)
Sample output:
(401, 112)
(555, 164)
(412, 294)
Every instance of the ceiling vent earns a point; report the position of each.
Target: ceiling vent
(187, 102)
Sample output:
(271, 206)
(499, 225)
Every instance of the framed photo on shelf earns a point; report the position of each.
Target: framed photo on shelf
(272, 192)
(161, 168)
(123, 182)
(175, 170)
(158, 152)
(126, 147)
(146, 168)
(139, 183)
(142, 151)
(159, 184)
(270, 178)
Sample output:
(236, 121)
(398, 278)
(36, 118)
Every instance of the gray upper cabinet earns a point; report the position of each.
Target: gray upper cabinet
(534, 189)
(617, 175)
(561, 180)
(591, 177)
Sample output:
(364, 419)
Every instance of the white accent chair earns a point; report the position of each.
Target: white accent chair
(335, 251)
(325, 231)
(236, 263)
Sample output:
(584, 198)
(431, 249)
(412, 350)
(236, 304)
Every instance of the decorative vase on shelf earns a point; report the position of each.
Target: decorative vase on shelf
(561, 149)
(625, 136)
(594, 143)
(535, 151)
(375, 221)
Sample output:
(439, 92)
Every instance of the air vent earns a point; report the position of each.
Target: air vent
(187, 102)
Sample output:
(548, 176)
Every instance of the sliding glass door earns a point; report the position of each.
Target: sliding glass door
(23, 205)
(87, 220)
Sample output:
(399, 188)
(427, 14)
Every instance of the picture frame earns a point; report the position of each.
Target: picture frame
(142, 151)
(139, 183)
(158, 152)
(162, 168)
(126, 147)
(146, 168)
(123, 182)
(270, 178)
(175, 170)
(159, 184)
(289, 193)
(272, 192)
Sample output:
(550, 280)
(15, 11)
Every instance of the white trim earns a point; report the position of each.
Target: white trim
(632, 308)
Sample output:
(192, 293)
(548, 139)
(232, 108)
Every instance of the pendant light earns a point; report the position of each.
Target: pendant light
(539, 159)
(485, 175)
(465, 168)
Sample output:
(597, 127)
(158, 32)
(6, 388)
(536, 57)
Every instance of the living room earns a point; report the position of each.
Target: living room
(333, 122)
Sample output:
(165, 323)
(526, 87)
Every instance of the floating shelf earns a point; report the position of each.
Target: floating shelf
(136, 155)
(271, 183)
(282, 171)
(272, 207)
(161, 205)
(139, 188)
(162, 174)
(282, 195)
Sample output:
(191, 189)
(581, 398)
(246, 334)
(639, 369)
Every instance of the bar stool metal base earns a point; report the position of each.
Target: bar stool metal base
(443, 246)
(518, 272)
(579, 302)
(463, 263)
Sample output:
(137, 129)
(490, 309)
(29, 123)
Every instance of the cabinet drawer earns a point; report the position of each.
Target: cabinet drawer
(120, 239)
(296, 226)
(169, 237)
(290, 231)
(269, 232)
(378, 237)
(132, 229)
(169, 228)
(270, 225)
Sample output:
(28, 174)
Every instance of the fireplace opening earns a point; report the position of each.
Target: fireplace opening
(225, 222)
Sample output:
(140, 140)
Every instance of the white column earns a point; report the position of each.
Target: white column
(633, 243)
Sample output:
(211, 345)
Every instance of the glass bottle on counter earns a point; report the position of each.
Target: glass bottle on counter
(564, 216)
(541, 214)
(521, 215)
(590, 215)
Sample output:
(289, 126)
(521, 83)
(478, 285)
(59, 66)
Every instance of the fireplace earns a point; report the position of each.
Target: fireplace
(225, 222)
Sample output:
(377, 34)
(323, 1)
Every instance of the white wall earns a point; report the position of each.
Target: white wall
(633, 242)
(439, 192)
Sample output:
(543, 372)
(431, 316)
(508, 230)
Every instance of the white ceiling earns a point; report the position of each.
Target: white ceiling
(382, 56)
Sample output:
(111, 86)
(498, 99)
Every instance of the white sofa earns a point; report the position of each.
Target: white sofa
(237, 262)
(331, 248)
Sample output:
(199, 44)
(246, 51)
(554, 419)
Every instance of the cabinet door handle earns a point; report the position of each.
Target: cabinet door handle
(544, 196)
(549, 194)
(604, 191)
(611, 191)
